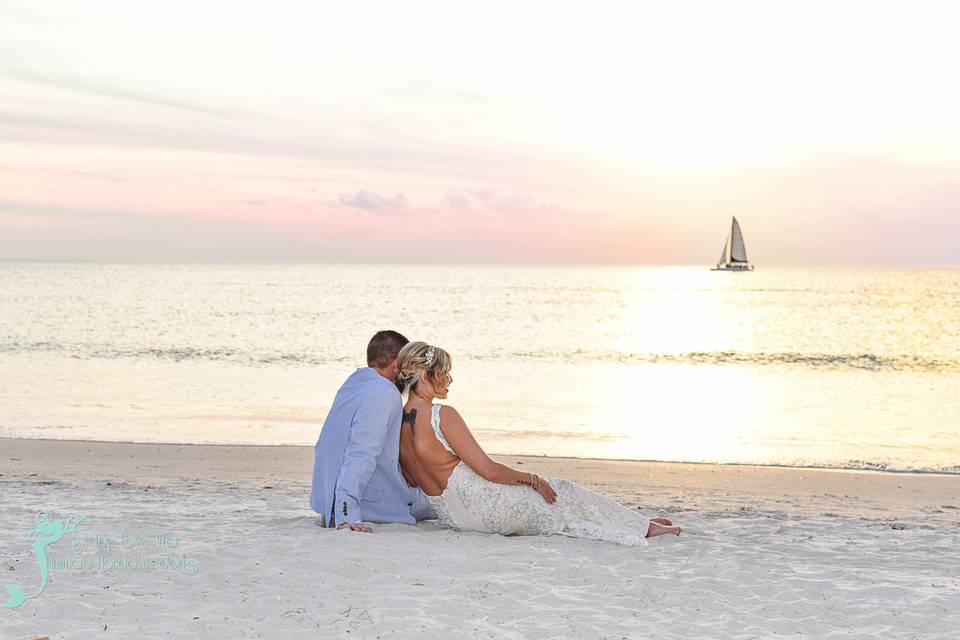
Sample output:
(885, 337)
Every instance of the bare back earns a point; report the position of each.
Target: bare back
(422, 457)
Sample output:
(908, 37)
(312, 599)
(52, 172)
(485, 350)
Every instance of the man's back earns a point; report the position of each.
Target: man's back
(356, 471)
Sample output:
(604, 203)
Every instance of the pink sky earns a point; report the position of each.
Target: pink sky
(622, 133)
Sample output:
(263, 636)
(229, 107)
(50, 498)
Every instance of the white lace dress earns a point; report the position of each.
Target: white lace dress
(470, 503)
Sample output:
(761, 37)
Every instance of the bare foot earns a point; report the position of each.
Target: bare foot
(658, 529)
(665, 521)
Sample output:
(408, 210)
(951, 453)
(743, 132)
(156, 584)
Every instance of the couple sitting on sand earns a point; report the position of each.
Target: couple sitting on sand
(380, 460)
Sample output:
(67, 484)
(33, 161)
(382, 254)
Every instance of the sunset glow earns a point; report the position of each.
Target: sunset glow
(610, 133)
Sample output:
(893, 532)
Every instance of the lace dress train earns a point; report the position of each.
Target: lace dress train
(471, 503)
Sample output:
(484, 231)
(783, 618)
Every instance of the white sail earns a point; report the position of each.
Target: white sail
(738, 253)
(723, 254)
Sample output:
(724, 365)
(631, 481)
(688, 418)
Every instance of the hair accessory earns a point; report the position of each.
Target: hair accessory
(431, 351)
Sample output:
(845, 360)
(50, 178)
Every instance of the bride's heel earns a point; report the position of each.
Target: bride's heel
(661, 516)
(658, 529)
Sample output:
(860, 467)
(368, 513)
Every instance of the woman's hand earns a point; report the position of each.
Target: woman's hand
(543, 487)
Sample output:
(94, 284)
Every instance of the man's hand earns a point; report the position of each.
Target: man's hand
(355, 526)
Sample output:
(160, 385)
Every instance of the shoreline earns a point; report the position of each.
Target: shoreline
(869, 494)
(767, 465)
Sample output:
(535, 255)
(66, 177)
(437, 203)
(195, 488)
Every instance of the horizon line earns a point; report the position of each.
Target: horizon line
(388, 263)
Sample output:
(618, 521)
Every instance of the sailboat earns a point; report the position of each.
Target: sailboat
(734, 256)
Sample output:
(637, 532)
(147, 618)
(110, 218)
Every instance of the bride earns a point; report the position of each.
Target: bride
(469, 491)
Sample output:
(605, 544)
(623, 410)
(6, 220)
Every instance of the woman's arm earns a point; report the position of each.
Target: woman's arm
(469, 450)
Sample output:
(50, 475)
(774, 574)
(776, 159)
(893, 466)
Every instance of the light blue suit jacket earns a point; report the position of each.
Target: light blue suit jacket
(356, 461)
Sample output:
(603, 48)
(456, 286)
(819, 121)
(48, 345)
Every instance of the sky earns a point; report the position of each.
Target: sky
(544, 132)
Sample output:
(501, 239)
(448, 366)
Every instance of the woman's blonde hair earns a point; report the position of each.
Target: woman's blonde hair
(419, 357)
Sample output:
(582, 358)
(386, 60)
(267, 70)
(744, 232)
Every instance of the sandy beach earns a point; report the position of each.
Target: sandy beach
(229, 228)
(187, 541)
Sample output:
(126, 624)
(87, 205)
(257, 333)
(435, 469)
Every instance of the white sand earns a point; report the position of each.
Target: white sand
(765, 553)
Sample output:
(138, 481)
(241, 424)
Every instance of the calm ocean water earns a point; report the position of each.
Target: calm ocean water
(855, 368)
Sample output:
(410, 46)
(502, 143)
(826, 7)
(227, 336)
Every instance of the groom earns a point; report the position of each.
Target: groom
(356, 463)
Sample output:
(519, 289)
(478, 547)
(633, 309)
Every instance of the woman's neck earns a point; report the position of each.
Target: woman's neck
(418, 399)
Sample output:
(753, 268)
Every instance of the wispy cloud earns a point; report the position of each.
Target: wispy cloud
(458, 201)
(106, 90)
(481, 202)
(24, 209)
(333, 144)
(422, 89)
(375, 203)
(71, 173)
(507, 204)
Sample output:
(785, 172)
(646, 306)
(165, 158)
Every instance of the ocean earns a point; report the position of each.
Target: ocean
(853, 368)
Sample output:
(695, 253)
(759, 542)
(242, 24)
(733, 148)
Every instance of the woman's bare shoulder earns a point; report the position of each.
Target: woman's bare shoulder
(449, 414)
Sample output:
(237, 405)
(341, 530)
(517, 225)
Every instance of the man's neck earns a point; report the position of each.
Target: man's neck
(383, 373)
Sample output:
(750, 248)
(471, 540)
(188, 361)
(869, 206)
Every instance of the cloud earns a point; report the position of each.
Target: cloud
(519, 205)
(457, 201)
(481, 202)
(433, 92)
(23, 209)
(105, 90)
(333, 146)
(375, 203)
(64, 173)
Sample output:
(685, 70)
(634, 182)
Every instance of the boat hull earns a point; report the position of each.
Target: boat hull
(733, 267)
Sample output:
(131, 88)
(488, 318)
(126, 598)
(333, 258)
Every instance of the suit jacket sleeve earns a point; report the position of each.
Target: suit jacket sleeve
(368, 435)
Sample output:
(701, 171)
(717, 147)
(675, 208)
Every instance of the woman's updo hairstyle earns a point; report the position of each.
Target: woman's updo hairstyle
(419, 357)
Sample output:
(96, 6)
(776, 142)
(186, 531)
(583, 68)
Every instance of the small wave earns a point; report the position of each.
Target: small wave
(852, 465)
(864, 361)
(866, 465)
(867, 361)
(861, 361)
(176, 354)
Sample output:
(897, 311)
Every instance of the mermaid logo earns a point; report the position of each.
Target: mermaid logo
(47, 530)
